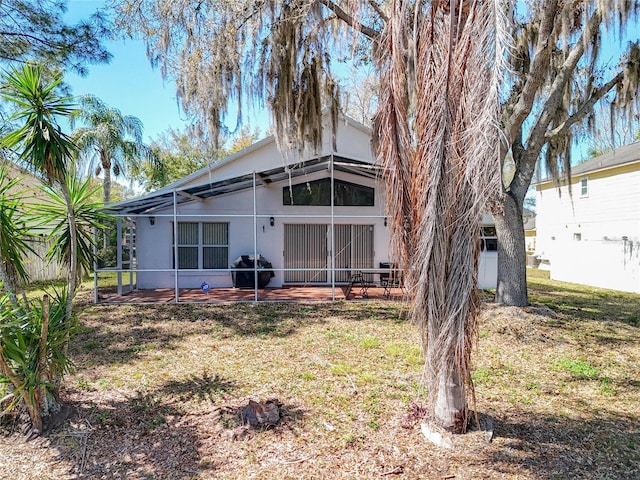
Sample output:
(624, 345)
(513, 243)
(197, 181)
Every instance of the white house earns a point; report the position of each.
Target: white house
(257, 202)
(592, 236)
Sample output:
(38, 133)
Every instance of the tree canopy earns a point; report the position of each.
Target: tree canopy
(36, 31)
(109, 142)
(225, 55)
(557, 76)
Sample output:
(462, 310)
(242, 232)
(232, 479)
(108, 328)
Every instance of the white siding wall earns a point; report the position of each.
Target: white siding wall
(154, 250)
(488, 270)
(610, 210)
(351, 141)
(605, 264)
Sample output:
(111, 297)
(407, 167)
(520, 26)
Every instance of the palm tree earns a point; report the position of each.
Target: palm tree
(40, 143)
(34, 342)
(437, 133)
(88, 216)
(111, 141)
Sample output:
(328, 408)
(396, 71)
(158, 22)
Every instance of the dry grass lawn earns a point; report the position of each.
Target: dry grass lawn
(157, 390)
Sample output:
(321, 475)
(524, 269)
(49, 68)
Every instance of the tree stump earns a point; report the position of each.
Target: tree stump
(260, 414)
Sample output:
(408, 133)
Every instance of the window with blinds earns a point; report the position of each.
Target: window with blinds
(203, 245)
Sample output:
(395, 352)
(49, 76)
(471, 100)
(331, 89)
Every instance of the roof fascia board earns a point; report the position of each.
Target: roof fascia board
(575, 176)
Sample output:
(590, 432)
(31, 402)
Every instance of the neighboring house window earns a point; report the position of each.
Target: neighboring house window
(203, 245)
(577, 236)
(584, 187)
(318, 193)
(489, 239)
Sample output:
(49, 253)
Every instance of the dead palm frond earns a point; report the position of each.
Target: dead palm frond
(439, 144)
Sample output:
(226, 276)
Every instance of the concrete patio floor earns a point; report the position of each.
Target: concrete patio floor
(225, 295)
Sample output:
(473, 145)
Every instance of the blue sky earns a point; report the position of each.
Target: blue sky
(129, 84)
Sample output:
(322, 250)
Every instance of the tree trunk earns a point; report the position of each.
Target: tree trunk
(73, 253)
(8, 286)
(106, 190)
(42, 369)
(512, 263)
(106, 182)
(451, 405)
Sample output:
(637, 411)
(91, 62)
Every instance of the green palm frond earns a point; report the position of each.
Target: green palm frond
(39, 141)
(109, 140)
(53, 218)
(28, 360)
(14, 234)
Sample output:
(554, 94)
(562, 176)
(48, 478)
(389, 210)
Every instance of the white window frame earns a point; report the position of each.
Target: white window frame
(200, 245)
(584, 187)
(488, 236)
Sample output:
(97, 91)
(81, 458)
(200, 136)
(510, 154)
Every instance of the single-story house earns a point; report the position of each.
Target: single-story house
(315, 219)
(591, 235)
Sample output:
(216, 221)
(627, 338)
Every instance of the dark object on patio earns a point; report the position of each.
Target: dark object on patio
(390, 279)
(358, 280)
(246, 279)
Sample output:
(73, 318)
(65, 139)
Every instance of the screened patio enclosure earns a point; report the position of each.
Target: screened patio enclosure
(314, 231)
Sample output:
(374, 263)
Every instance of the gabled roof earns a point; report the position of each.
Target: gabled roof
(206, 183)
(164, 198)
(627, 154)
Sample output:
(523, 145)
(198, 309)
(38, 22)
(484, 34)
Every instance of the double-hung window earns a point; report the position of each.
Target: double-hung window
(584, 187)
(203, 245)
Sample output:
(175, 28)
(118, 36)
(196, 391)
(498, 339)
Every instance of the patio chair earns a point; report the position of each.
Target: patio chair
(391, 278)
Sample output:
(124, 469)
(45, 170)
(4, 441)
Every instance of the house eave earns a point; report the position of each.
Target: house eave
(164, 198)
(599, 164)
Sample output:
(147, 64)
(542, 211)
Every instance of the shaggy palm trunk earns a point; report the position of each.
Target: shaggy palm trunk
(436, 130)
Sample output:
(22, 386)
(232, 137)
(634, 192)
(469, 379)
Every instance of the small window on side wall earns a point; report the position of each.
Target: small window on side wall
(584, 187)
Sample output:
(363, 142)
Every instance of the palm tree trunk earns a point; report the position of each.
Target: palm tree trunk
(106, 185)
(42, 370)
(8, 285)
(450, 406)
(73, 253)
(106, 190)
